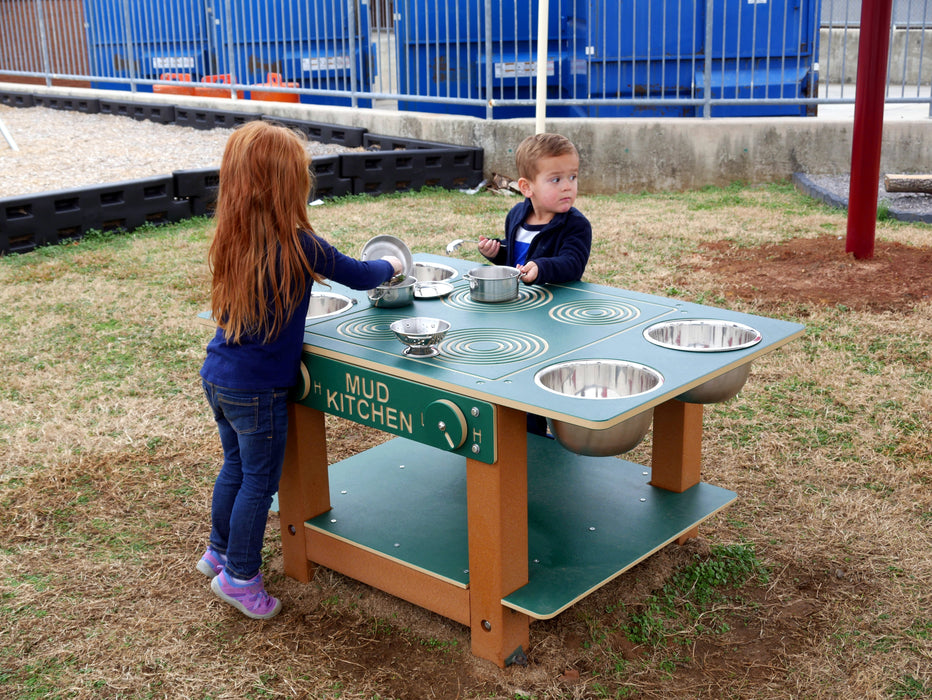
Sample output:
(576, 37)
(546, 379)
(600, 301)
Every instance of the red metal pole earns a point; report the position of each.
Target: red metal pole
(868, 126)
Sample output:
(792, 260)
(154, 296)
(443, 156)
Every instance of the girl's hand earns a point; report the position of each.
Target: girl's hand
(397, 266)
(489, 247)
(528, 272)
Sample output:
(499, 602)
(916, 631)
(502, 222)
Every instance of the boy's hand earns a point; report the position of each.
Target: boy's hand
(528, 272)
(489, 247)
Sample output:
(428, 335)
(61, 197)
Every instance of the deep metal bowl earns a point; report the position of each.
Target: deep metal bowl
(708, 335)
(723, 387)
(493, 283)
(433, 272)
(702, 335)
(393, 295)
(324, 304)
(600, 380)
(420, 334)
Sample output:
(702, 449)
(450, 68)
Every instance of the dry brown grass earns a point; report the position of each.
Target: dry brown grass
(107, 458)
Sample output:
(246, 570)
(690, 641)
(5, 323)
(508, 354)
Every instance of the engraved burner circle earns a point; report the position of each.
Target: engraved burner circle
(594, 312)
(490, 346)
(370, 328)
(528, 298)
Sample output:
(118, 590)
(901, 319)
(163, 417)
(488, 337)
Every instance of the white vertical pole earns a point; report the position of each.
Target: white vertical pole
(541, 103)
(8, 136)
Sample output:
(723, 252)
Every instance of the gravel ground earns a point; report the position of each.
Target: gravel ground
(63, 149)
(833, 190)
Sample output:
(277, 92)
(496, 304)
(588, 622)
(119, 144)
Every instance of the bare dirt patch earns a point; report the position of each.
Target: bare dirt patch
(818, 271)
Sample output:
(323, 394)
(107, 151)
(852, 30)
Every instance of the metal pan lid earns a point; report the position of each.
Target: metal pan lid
(432, 290)
(380, 246)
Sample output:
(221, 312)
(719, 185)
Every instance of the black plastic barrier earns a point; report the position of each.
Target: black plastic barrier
(75, 104)
(383, 164)
(200, 118)
(17, 99)
(161, 114)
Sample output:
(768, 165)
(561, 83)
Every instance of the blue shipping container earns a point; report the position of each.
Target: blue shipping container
(656, 48)
(442, 52)
(144, 39)
(307, 42)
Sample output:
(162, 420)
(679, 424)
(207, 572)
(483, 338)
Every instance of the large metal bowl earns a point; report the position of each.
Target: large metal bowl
(420, 334)
(433, 272)
(324, 304)
(600, 380)
(707, 335)
(702, 335)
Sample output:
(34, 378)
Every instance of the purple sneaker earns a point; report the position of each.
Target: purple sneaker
(211, 563)
(249, 598)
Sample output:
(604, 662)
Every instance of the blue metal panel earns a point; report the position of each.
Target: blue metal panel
(646, 29)
(758, 80)
(142, 40)
(760, 28)
(442, 52)
(304, 41)
(656, 49)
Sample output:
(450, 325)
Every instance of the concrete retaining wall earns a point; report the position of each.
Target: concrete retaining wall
(910, 56)
(628, 155)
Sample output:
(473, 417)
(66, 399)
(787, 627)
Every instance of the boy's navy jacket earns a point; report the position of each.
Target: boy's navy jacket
(561, 249)
(257, 364)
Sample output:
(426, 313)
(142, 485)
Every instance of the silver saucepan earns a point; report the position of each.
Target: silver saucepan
(392, 295)
(493, 283)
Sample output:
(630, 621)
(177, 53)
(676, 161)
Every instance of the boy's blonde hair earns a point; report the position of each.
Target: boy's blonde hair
(533, 148)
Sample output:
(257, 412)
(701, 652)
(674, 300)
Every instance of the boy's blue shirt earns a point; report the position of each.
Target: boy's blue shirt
(256, 365)
(561, 249)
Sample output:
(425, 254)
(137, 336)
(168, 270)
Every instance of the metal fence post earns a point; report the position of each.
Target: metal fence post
(354, 97)
(867, 133)
(707, 65)
(488, 59)
(540, 108)
(44, 42)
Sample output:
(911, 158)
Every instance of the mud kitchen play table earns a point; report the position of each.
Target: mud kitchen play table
(464, 513)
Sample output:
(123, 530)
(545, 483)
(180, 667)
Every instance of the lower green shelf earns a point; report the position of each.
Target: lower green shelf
(589, 518)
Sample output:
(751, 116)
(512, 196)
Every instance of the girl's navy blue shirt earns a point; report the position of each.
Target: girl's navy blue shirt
(561, 249)
(258, 364)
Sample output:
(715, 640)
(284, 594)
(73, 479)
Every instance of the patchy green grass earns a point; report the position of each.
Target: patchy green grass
(814, 583)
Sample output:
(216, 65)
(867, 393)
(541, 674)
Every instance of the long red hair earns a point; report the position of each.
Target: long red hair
(259, 267)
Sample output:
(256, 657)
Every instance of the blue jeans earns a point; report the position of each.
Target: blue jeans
(253, 429)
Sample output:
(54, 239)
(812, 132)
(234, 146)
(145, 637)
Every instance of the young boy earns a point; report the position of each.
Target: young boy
(546, 237)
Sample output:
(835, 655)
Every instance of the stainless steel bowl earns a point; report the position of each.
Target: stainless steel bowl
(723, 387)
(600, 380)
(433, 272)
(393, 295)
(324, 304)
(420, 334)
(702, 335)
(493, 283)
(708, 335)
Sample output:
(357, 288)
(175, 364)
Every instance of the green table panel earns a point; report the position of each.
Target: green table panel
(589, 518)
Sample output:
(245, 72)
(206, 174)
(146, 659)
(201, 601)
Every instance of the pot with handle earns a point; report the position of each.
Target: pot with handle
(493, 283)
(392, 295)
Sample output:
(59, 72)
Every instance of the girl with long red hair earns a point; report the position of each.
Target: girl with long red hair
(264, 259)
